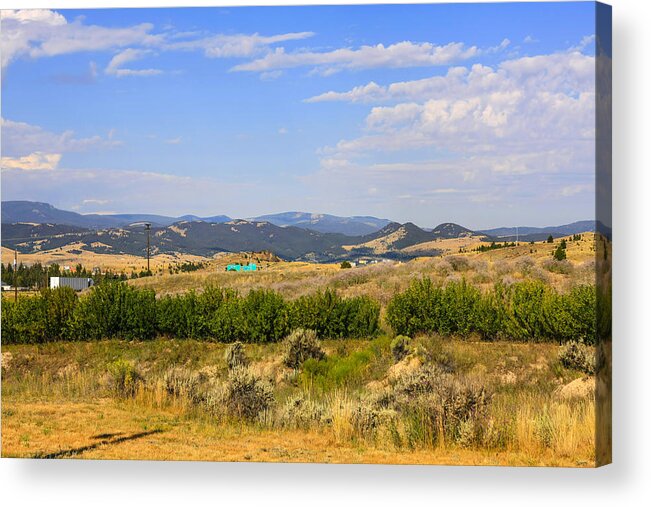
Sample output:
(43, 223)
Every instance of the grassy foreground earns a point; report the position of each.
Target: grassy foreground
(59, 401)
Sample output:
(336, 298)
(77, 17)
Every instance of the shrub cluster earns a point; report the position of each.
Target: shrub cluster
(528, 311)
(332, 316)
(577, 356)
(235, 356)
(118, 310)
(400, 347)
(124, 378)
(300, 346)
(247, 395)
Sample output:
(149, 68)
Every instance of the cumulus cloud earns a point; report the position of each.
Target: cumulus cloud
(525, 105)
(563, 72)
(509, 135)
(33, 162)
(42, 33)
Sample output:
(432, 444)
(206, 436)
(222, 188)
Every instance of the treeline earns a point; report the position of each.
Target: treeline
(118, 310)
(493, 246)
(523, 311)
(37, 275)
(185, 267)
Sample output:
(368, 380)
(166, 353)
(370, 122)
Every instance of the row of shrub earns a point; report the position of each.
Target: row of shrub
(524, 311)
(118, 310)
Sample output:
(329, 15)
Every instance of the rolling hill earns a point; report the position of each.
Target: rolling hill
(539, 233)
(32, 227)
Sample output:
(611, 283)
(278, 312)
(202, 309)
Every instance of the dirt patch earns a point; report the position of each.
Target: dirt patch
(579, 388)
(408, 365)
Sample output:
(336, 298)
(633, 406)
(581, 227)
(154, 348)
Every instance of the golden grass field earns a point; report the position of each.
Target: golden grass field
(57, 399)
(56, 404)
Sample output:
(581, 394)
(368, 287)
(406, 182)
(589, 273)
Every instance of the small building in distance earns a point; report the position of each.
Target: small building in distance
(74, 283)
(240, 267)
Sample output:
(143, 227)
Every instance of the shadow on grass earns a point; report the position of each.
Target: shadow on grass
(104, 436)
(107, 440)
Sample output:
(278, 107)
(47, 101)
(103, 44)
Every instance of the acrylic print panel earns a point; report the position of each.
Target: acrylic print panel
(339, 234)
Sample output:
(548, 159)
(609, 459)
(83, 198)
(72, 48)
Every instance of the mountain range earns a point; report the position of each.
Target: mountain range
(43, 213)
(31, 227)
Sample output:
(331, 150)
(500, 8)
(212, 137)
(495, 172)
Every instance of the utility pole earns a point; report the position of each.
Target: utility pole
(16, 275)
(148, 229)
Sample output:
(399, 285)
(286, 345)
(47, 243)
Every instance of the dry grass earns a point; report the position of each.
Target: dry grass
(56, 400)
(382, 280)
(71, 255)
(105, 429)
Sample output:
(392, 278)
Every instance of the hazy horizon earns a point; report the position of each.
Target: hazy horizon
(391, 111)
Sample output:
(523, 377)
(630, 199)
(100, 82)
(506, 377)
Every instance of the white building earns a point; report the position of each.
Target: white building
(72, 282)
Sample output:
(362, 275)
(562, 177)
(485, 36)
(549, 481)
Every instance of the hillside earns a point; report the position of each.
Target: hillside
(539, 233)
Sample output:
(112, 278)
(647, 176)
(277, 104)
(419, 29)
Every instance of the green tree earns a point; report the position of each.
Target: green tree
(559, 253)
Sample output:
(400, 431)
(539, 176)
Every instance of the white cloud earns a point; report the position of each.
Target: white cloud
(100, 202)
(115, 66)
(235, 46)
(510, 135)
(33, 162)
(527, 105)
(43, 33)
(20, 139)
(282, 131)
(563, 72)
(401, 54)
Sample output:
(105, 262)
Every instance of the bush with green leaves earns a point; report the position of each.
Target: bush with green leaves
(24, 321)
(332, 316)
(265, 316)
(38, 318)
(235, 356)
(247, 395)
(205, 315)
(301, 345)
(115, 310)
(400, 347)
(529, 310)
(576, 355)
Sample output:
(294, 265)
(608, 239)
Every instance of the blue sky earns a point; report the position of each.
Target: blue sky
(477, 114)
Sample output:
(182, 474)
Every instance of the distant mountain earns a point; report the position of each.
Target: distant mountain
(43, 213)
(350, 226)
(198, 238)
(539, 233)
(36, 227)
(449, 230)
(392, 241)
